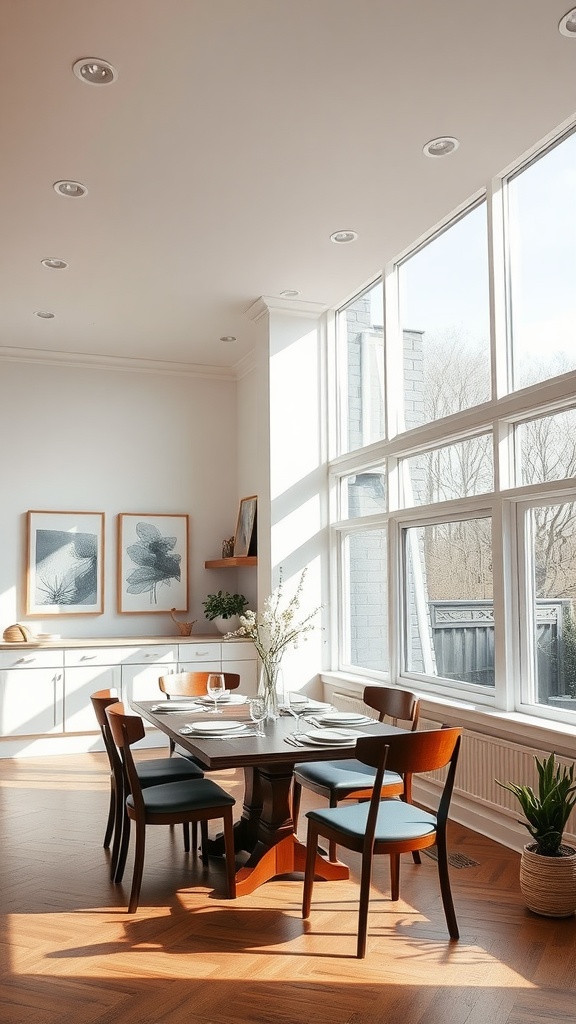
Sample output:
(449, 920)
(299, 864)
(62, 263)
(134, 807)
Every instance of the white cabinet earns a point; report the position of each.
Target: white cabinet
(45, 691)
(227, 656)
(200, 657)
(142, 670)
(132, 671)
(30, 692)
(241, 658)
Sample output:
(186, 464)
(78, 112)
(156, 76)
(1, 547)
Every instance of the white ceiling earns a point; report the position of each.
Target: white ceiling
(238, 136)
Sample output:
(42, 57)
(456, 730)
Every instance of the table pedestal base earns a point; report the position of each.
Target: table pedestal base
(285, 857)
(266, 832)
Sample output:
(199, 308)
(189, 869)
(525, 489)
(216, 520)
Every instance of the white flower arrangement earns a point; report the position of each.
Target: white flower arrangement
(276, 628)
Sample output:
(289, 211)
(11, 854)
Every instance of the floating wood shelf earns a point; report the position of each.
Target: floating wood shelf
(231, 563)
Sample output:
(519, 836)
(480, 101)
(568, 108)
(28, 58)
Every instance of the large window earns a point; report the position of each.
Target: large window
(542, 255)
(456, 531)
(444, 318)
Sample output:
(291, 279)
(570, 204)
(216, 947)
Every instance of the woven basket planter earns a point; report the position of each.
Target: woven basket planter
(548, 884)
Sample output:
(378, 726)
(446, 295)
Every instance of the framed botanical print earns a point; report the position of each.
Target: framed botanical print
(245, 538)
(152, 563)
(65, 563)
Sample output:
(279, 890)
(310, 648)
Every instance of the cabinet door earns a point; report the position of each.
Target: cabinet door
(30, 701)
(140, 682)
(79, 684)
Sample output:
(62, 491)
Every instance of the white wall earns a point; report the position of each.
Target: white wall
(103, 440)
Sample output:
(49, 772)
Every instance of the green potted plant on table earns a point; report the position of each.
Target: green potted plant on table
(224, 610)
(547, 865)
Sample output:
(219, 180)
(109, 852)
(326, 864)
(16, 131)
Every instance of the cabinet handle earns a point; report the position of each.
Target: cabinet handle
(87, 657)
(25, 661)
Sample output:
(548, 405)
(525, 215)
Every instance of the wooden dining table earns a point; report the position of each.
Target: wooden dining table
(265, 830)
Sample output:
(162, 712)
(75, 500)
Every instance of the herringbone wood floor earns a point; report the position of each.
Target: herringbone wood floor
(71, 954)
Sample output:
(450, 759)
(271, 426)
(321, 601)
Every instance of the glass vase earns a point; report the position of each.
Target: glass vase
(268, 688)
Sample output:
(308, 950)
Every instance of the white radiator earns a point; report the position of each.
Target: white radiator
(483, 759)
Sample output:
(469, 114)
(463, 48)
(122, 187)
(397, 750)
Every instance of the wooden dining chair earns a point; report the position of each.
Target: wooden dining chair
(154, 772)
(390, 827)
(350, 779)
(191, 684)
(189, 801)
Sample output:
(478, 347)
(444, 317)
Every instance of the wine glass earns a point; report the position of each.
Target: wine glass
(298, 705)
(258, 713)
(215, 688)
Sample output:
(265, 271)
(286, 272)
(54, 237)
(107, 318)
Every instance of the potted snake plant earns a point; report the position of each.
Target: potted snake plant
(548, 865)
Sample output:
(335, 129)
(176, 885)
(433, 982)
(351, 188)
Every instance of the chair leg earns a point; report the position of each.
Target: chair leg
(186, 834)
(311, 848)
(445, 889)
(111, 815)
(416, 857)
(123, 851)
(395, 876)
(194, 836)
(332, 854)
(138, 866)
(171, 747)
(364, 902)
(204, 841)
(118, 824)
(296, 797)
(229, 852)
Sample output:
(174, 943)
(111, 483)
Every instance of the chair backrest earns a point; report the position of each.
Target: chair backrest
(390, 702)
(193, 684)
(101, 700)
(126, 730)
(414, 752)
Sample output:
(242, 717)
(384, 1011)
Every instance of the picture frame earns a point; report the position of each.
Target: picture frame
(245, 536)
(152, 563)
(64, 563)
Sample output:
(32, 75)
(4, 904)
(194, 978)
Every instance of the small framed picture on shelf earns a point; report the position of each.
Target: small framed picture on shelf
(245, 537)
(65, 563)
(152, 563)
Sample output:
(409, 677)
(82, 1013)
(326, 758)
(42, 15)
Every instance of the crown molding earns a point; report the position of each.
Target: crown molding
(276, 304)
(123, 363)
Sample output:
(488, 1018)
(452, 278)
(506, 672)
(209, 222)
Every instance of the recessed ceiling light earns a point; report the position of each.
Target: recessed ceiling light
(72, 189)
(289, 293)
(94, 71)
(44, 315)
(54, 264)
(342, 237)
(441, 146)
(228, 337)
(567, 24)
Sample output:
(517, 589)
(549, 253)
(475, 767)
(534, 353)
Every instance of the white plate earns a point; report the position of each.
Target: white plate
(215, 728)
(342, 718)
(174, 705)
(332, 737)
(231, 698)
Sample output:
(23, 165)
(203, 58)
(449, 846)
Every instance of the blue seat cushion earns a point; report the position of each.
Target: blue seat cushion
(176, 797)
(166, 769)
(341, 776)
(397, 820)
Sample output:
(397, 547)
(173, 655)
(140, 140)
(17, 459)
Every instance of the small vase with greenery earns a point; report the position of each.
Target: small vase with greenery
(548, 866)
(224, 609)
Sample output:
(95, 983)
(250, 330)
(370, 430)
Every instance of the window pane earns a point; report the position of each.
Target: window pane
(363, 494)
(542, 225)
(362, 322)
(547, 447)
(553, 532)
(444, 316)
(455, 471)
(365, 607)
(449, 612)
